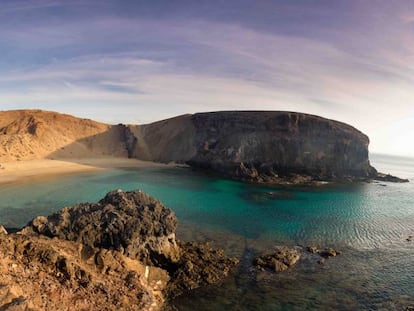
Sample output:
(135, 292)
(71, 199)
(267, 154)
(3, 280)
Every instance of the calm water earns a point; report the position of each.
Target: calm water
(368, 222)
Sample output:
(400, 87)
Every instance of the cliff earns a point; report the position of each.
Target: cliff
(264, 146)
(259, 146)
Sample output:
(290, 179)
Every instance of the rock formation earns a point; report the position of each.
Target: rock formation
(118, 253)
(258, 146)
(280, 260)
(261, 146)
(133, 223)
(39, 273)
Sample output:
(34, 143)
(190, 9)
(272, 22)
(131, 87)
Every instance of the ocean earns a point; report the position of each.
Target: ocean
(368, 222)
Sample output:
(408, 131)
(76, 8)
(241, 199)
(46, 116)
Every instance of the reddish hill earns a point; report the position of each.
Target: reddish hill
(35, 134)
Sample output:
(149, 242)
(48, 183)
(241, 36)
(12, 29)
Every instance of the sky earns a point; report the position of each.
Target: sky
(141, 61)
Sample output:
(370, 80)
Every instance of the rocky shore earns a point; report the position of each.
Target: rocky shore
(117, 254)
(274, 147)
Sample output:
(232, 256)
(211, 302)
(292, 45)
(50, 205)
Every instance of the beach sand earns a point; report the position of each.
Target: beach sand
(23, 171)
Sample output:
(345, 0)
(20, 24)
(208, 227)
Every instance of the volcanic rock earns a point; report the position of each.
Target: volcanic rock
(39, 273)
(390, 178)
(328, 252)
(127, 226)
(133, 223)
(259, 146)
(282, 259)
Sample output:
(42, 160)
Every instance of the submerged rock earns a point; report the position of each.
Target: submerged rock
(282, 259)
(328, 252)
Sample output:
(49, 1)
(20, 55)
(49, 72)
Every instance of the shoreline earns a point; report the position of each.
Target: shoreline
(14, 172)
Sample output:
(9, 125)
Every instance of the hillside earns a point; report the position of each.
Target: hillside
(258, 146)
(36, 134)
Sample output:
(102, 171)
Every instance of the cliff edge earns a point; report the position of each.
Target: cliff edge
(261, 146)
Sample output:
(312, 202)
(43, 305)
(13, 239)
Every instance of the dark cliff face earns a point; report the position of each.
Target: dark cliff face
(261, 145)
(279, 143)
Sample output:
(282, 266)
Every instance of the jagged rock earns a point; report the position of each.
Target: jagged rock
(282, 259)
(39, 273)
(199, 265)
(136, 226)
(131, 222)
(390, 178)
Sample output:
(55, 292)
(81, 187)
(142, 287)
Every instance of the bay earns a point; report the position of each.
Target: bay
(368, 222)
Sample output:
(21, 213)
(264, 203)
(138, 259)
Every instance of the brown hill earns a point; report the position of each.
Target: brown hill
(259, 146)
(36, 134)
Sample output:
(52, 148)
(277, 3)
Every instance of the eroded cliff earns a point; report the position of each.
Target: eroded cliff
(267, 146)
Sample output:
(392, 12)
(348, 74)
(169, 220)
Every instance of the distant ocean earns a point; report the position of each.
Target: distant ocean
(368, 222)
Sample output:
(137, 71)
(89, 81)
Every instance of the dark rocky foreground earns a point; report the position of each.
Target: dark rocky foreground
(259, 146)
(118, 254)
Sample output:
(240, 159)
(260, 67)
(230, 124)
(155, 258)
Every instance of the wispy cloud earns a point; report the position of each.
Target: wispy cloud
(130, 65)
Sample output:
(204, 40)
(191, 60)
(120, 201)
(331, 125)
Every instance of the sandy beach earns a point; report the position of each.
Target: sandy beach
(22, 171)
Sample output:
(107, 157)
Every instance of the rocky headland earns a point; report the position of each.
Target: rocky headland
(117, 254)
(258, 146)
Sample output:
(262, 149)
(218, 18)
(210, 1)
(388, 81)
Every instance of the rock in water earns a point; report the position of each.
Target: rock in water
(199, 264)
(282, 259)
(131, 222)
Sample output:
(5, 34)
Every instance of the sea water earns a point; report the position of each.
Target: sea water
(368, 222)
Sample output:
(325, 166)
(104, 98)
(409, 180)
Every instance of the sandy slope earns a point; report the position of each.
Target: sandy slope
(36, 134)
(35, 143)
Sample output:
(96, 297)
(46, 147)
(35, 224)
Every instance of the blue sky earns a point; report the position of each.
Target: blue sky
(141, 61)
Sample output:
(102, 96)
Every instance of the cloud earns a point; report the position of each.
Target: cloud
(138, 68)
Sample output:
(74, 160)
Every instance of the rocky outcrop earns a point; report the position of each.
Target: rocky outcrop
(133, 223)
(39, 273)
(261, 146)
(199, 264)
(280, 260)
(122, 249)
(258, 146)
(389, 178)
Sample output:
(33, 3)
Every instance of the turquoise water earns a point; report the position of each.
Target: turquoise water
(368, 222)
